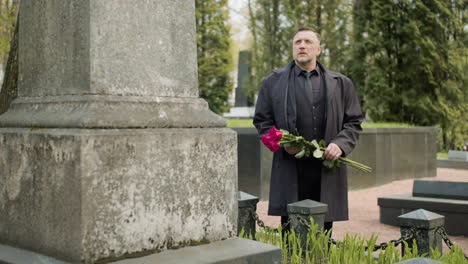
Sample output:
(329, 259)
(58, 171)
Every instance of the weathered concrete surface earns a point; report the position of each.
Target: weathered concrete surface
(99, 111)
(118, 47)
(230, 251)
(84, 63)
(76, 183)
(83, 195)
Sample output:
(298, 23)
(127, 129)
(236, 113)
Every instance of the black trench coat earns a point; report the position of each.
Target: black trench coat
(276, 106)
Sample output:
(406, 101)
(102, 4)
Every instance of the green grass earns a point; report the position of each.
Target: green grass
(350, 250)
(386, 125)
(240, 123)
(248, 123)
(442, 155)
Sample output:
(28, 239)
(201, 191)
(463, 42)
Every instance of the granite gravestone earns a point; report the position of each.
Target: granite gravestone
(458, 155)
(449, 199)
(243, 72)
(243, 108)
(108, 151)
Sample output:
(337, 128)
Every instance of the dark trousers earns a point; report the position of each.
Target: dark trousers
(309, 175)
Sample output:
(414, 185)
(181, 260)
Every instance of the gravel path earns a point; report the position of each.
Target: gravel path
(364, 211)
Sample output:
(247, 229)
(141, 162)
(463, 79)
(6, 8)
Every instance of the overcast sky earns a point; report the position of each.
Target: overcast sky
(238, 21)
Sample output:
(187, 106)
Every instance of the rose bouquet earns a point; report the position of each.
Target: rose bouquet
(282, 138)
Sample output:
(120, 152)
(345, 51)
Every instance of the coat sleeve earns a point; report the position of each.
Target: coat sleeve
(347, 138)
(264, 117)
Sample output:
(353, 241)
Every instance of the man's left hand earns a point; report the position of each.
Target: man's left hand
(332, 152)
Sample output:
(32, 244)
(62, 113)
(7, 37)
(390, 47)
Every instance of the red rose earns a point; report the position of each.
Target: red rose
(271, 140)
(275, 133)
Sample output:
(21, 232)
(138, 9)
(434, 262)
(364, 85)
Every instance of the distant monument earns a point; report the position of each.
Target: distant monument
(242, 108)
(108, 151)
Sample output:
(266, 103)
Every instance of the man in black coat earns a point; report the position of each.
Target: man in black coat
(320, 104)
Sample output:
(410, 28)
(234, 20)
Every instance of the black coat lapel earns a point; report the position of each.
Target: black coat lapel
(330, 82)
(287, 94)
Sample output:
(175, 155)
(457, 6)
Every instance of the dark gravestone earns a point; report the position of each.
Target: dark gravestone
(441, 189)
(452, 164)
(248, 155)
(454, 209)
(243, 70)
(458, 155)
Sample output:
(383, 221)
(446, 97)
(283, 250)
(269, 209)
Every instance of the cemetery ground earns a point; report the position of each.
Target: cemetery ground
(364, 211)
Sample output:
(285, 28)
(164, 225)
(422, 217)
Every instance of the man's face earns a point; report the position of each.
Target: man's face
(306, 47)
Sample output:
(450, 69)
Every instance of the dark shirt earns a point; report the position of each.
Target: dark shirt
(310, 103)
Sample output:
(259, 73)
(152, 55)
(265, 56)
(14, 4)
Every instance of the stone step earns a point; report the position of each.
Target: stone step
(229, 251)
(12, 255)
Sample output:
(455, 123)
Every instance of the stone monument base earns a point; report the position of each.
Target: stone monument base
(83, 195)
(230, 251)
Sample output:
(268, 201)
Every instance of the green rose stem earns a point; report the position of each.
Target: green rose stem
(317, 149)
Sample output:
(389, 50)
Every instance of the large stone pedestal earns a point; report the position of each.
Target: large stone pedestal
(108, 151)
(84, 195)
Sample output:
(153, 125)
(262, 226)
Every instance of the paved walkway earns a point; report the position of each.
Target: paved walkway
(364, 211)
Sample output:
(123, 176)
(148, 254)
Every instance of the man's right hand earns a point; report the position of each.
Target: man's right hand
(291, 150)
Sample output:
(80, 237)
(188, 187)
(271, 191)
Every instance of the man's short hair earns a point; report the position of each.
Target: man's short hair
(306, 28)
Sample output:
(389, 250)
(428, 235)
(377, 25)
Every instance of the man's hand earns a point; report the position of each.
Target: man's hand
(291, 150)
(332, 152)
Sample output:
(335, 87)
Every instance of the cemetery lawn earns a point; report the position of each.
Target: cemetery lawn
(249, 123)
(442, 155)
(240, 123)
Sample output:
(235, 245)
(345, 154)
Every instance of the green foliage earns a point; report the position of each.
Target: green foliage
(408, 58)
(268, 37)
(213, 50)
(351, 250)
(9, 88)
(409, 62)
(8, 14)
